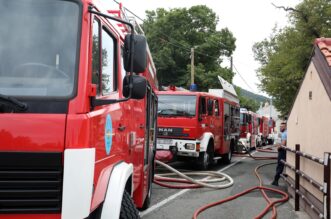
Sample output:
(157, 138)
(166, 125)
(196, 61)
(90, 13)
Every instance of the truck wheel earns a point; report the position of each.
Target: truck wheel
(206, 158)
(203, 160)
(227, 157)
(128, 209)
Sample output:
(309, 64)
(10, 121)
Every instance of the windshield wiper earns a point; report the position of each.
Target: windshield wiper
(21, 106)
(175, 113)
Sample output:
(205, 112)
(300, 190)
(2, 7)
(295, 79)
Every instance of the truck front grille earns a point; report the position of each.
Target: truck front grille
(30, 182)
(169, 131)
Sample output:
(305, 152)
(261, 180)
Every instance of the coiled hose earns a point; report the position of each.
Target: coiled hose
(190, 183)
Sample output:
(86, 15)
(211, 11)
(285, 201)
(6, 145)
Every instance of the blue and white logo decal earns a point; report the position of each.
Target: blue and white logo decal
(108, 134)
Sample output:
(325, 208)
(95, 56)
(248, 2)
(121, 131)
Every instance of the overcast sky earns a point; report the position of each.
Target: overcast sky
(250, 21)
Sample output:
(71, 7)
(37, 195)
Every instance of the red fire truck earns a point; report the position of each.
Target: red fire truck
(77, 112)
(271, 131)
(266, 130)
(263, 130)
(249, 128)
(197, 125)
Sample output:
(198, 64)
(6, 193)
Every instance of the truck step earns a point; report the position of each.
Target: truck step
(217, 158)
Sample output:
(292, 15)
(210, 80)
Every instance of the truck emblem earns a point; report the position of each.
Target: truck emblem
(108, 134)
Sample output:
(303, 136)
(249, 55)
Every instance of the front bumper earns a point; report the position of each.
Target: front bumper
(179, 147)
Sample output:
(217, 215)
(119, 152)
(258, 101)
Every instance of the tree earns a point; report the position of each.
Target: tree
(246, 102)
(171, 34)
(284, 56)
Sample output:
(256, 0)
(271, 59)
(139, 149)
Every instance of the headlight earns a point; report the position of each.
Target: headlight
(190, 146)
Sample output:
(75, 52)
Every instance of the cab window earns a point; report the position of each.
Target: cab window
(96, 55)
(217, 109)
(108, 78)
(210, 107)
(202, 106)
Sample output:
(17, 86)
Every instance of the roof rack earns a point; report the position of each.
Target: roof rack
(121, 13)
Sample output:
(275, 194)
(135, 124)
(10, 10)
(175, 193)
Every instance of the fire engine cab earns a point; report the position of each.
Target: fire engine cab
(197, 125)
(77, 111)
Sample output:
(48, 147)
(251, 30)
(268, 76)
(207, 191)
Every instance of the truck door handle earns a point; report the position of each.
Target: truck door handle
(141, 126)
(121, 127)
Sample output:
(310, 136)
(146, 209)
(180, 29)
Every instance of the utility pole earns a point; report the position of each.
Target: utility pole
(192, 65)
(231, 63)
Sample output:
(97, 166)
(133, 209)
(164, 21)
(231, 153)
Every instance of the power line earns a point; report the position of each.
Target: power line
(252, 90)
(187, 49)
(176, 45)
(169, 40)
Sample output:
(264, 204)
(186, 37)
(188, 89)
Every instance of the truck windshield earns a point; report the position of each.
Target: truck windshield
(38, 49)
(176, 105)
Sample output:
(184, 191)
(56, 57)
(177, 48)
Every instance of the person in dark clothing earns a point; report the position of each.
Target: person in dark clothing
(281, 153)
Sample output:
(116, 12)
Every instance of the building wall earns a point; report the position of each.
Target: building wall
(309, 125)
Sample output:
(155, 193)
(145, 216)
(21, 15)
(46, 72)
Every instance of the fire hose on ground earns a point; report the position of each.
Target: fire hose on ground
(265, 150)
(190, 183)
(187, 182)
(271, 204)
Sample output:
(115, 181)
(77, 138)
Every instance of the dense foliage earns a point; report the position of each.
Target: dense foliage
(172, 33)
(285, 55)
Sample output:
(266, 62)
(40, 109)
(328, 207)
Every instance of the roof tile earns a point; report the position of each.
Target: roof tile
(325, 46)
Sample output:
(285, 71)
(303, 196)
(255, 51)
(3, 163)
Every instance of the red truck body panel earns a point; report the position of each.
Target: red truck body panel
(82, 126)
(193, 128)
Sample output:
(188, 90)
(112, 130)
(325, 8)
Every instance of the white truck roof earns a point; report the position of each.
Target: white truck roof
(227, 91)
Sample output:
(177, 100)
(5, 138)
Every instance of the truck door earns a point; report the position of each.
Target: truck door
(150, 126)
(226, 130)
(108, 122)
(218, 125)
(202, 114)
(210, 119)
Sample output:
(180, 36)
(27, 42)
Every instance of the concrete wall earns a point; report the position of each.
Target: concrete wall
(309, 125)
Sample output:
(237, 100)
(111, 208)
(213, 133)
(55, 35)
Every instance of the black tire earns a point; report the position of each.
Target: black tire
(203, 160)
(227, 157)
(258, 144)
(206, 159)
(128, 209)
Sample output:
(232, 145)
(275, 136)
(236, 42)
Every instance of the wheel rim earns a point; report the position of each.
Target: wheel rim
(206, 159)
(230, 155)
(150, 190)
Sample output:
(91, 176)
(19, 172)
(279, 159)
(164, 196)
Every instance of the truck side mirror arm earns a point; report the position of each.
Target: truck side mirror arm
(130, 40)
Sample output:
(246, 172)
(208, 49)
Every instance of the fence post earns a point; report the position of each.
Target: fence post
(297, 178)
(326, 185)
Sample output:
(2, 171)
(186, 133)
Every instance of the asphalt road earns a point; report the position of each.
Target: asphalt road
(181, 203)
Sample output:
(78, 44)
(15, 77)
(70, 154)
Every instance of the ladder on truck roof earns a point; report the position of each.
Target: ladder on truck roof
(121, 14)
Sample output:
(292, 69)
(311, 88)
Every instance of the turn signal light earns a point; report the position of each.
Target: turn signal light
(197, 147)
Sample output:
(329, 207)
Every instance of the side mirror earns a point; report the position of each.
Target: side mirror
(139, 86)
(139, 53)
